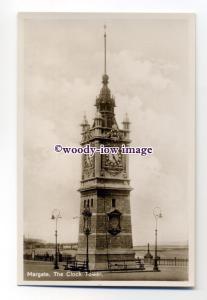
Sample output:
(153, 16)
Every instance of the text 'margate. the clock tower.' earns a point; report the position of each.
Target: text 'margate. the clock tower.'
(105, 188)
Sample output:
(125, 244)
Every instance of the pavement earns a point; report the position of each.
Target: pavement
(44, 271)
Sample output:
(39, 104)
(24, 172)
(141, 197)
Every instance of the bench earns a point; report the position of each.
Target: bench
(75, 266)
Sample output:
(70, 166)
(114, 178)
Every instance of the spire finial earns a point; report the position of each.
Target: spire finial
(105, 49)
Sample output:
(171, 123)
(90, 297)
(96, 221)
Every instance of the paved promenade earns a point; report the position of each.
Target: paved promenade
(34, 270)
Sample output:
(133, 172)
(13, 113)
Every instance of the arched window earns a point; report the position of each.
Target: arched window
(113, 203)
(91, 202)
(88, 203)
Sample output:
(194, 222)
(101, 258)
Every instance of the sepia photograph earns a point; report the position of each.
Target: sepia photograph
(106, 138)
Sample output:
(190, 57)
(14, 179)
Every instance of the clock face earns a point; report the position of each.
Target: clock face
(114, 160)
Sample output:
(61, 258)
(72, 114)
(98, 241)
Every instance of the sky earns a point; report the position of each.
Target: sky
(150, 68)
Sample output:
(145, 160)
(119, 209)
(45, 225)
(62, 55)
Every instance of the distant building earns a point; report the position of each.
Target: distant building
(69, 246)
(30, 243)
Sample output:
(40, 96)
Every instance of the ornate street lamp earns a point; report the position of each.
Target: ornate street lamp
(55, 216)
(157, 214)
(87, 230)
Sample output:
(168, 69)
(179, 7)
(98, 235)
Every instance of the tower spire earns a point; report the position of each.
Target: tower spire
(105, 49)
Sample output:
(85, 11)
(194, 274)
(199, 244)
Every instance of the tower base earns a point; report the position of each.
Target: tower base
(109, 261)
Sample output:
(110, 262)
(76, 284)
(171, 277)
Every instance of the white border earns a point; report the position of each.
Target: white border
(191, 153)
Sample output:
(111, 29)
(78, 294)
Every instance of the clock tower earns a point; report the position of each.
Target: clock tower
(105, 188)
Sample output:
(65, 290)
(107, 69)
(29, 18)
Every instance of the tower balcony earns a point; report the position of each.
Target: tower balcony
(105, 184)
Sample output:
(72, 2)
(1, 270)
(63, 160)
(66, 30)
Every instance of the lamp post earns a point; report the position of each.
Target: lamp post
(157, 214)
(55, 216)
(87, 230)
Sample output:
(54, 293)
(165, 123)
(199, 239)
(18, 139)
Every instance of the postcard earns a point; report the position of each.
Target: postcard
(106, 139)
